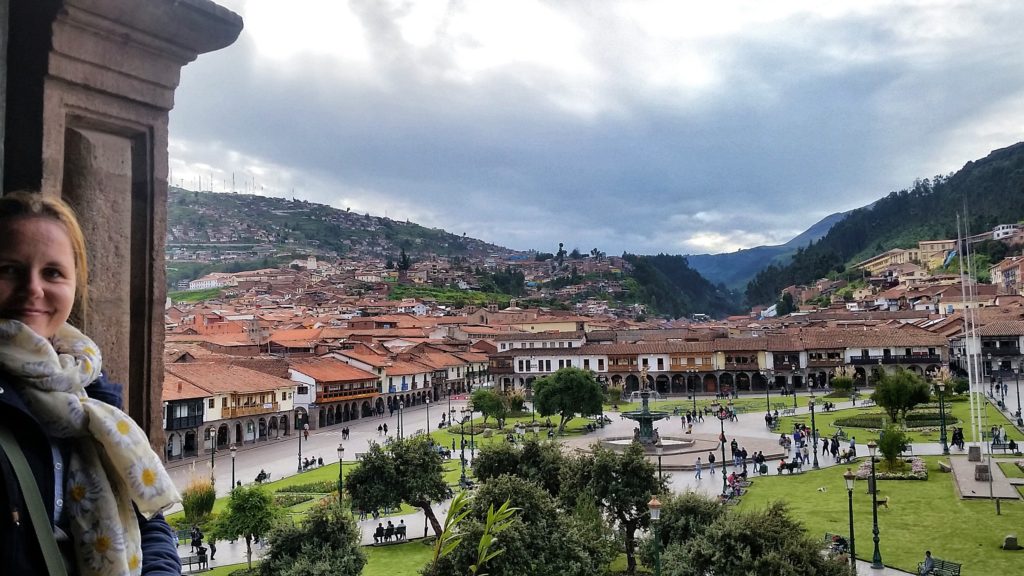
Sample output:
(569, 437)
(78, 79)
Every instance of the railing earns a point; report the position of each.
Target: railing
(346, 395)
(825, 363)
(741, 366)
(239, 411)
(1000, 351)
(901, 359)
(622, 368)
(184, 422)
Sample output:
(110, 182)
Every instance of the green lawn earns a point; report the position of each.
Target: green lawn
(921, 516)
(1011, 470)
(959, 410)
(396, 560)
(744, 403)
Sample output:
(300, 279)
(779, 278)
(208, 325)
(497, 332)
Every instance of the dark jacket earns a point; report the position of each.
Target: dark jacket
(19, 550)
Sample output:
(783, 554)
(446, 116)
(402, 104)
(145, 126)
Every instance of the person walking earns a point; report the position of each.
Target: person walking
(698, 468)
(824, 446)
(711, 462)
(380, 429)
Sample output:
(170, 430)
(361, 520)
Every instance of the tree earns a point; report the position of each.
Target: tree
(683, 517)
(620, 484)
(540, 462)
(785, 305)
(489, 403)
(250, 513)
(404, 262)
(326, 543)
(407, 470)
(891, 444)
(568, 392)
(760, 542)
(541, 539)
(899, 391)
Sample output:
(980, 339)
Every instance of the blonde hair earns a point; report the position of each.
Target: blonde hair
(27, 204)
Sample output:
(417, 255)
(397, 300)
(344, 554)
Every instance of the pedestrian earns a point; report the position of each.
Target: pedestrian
(213, 547)
(385, 428)
(319, 461)
(928, 566)
(711, 462)
(824, 446)
(698, 468)
(380, 429)
(853, 446)
(700, 417)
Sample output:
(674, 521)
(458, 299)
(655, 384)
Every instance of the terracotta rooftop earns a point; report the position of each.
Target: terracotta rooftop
(225, 378)
(330, 370)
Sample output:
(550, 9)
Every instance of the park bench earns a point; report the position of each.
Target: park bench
(942, 567)
(198, 560)
(184, 536)
(789, 411)
(867, 403)
(1004, 446)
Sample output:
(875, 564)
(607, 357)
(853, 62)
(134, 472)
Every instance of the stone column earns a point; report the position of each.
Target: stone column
(97, 103)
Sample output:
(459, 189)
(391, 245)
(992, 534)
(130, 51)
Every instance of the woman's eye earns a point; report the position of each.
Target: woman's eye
(8, 270)
(53, 273)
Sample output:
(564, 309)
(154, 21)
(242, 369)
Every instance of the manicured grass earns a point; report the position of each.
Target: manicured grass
(397, 559)
(922, 515)
(228, 569)
(744, 403)
(1011, 470)
(959, 410)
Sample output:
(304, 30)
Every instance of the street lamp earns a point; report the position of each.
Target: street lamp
(693, 393)
(850, 477)
(302, 429)
(1016, 377)
(341, 460)
(767, 391)
(233, 449)
(655, 507)
(428, 414)
(941, 385)
(462, 445)
(876, 557)
(213, 452)
(717, 407)
(659, 450)
(401, 407)
(991, 374)
(814, 432)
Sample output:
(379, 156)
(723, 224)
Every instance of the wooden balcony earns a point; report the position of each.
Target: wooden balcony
(360, 393)
(825, 363)
(240, 411)
(623, 368)
(902, 359)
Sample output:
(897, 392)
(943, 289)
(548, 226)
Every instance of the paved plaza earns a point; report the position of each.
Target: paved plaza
(280, 459)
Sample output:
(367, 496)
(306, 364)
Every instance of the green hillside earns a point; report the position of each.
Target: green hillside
(984, 193)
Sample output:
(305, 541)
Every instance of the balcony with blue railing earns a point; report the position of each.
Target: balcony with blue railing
(896, 359)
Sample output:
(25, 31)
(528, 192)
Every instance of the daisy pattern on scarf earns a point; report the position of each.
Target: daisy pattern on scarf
(146, 481)
(84, 492)
(121, 431)
(101, 545)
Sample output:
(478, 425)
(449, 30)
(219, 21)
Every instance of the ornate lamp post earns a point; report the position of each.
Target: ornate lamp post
(814, 432)
(233, 449)
(462, 445)
(876, 557)
(213, 452)
(767, 391)
(301, 428)
(450, 411)
(341, 460)
(428, 413)
(850, 477)
(941, 386)
(1016, 377)
(722, 416)
(655, 507)
(401, 422)
(659, 450)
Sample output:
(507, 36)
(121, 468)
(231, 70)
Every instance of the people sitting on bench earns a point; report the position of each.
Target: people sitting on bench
(378, 534)
(791, 466)
(400, 530)
(389, 532)
(262, 476)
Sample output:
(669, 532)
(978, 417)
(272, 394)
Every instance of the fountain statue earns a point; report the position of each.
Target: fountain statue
(646, 434)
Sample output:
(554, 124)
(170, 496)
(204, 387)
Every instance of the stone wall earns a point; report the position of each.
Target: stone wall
(90, 84)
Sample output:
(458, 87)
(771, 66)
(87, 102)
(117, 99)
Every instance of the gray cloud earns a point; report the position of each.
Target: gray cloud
(626, 140)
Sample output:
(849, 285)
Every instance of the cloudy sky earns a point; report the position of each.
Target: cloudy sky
(661, 126)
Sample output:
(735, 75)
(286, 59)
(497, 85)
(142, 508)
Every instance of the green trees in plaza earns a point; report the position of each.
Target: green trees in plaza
(891, 443)
(743, 543)
(540, 539)
(898, 391)
(326, 543)
(540, 462)
(489, 403)
(407, 470)
(250, 514)
(567, 392)
(619, 484)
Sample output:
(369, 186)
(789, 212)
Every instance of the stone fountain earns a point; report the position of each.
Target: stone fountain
(645, 434)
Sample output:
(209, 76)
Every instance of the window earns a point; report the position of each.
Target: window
(600, 364)
(548, 364)
(224, 402)
(570, 344)
(586, 363)
(303, 390)
(661, 363)
(211, 403)
(520, 366)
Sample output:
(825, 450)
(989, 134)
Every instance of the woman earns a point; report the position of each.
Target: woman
(63, 436)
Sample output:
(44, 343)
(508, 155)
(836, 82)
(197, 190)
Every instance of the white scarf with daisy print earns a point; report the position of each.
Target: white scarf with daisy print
(111, 464)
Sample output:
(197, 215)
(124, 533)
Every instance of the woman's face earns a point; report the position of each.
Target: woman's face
(37, 273)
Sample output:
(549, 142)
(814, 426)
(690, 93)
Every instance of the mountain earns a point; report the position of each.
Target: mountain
(225, 221)
(984, 193)
(735, 269)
